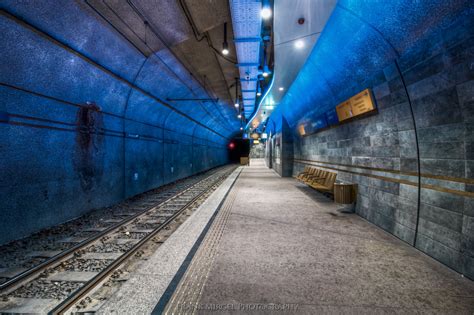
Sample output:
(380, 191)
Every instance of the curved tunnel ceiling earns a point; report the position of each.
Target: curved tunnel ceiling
(151, 88)
(360, 39)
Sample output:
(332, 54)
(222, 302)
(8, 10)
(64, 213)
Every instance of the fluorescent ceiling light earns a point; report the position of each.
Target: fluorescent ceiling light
(299, 44)
(266, 13)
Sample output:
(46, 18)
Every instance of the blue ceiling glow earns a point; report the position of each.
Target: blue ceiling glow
(261, 102)
(359, 40)
(247, 22)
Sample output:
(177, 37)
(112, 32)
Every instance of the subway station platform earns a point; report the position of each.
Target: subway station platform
(265, 244)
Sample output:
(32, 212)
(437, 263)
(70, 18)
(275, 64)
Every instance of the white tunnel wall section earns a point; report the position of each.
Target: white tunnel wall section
(84, 117)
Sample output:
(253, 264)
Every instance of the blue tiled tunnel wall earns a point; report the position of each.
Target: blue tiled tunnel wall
(427, 47)
(84, 117)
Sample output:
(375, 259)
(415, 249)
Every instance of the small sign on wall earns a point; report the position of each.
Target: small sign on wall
(301, 130)
(359, 104)
(344, 111)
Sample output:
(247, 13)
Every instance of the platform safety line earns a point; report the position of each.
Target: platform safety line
(202, 268)
(213, 250)
(189, 291)
(191, 279)
(173, 285)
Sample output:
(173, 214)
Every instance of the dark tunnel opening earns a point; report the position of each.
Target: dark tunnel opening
(238, 148)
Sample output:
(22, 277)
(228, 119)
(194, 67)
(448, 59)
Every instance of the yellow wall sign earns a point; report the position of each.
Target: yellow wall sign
(344, 111)
(359, 104)
(301, 130)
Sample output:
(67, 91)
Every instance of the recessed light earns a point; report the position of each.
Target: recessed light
(299, 44)
(281, 88)
(239, 116)
(236, 104)
(266, 13)
(265, 74)
(225, 45)
(258, 93)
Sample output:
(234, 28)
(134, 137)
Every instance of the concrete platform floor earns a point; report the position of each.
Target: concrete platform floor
(287, 249)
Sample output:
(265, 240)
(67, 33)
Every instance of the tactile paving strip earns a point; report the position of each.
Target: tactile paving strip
(186, 297)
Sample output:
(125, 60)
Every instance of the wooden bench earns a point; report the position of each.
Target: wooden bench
(318, 179)
(304, 172)
(318, 176)
(311, 171)
(327, 185)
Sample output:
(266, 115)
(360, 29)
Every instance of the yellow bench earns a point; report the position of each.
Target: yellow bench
(310, 172)
(318, 179)
(327, 185)
(304, 172)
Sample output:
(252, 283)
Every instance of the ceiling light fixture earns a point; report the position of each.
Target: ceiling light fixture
(236, 93)
(225, 45)
(266, 13)
(225, 49)
(299, 44)
(266, 71)
(239, 116)
(281, 88)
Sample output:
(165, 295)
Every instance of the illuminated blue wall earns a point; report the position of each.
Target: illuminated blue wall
(61, 156)
(413, 160)
(363, 37)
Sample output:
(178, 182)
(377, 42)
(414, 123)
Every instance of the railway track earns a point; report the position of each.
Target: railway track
(63, 240)
(19, 258)
(64, 279)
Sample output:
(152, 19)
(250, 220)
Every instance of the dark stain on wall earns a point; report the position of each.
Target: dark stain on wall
(88, 156)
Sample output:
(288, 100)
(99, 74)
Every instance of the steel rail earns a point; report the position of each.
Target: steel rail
(72, 299)
(33, 272)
